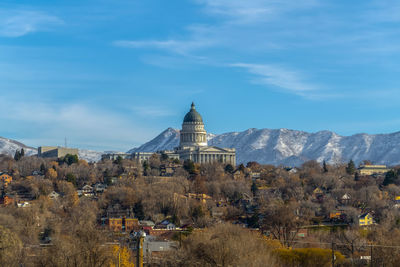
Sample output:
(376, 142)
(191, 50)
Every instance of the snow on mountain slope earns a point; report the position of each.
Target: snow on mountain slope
(291, 147)
(8, 147)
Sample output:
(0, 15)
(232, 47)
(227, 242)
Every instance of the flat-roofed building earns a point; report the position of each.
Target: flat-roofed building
(56, 152)
(372, 169)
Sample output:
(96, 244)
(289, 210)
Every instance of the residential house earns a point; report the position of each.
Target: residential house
(122, 224)
(99, 188)
(365, 219)
(54, 195)
(345, 199)
(6, 200)
(24, 204)
(397, 202)
(318, 194)
(5, 178)
(87, 191)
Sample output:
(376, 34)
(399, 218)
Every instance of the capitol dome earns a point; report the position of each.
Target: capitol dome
(193, 115)
(193, 133)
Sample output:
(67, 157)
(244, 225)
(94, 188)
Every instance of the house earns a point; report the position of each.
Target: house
(100, 188)
(365, 219)
(169, 169)
(147, 224)
(122, 224)
(318, 194)
(5, 178)
(24, 204)
(166, 225)
(397, 202)
(345, 199)
(54, 195)
(87, 191)
(372, 169)
(6, 200)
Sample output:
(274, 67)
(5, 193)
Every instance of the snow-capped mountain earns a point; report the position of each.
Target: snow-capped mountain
(8, 147)
(292, 148)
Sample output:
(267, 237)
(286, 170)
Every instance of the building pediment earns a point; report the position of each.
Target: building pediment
(214, 149)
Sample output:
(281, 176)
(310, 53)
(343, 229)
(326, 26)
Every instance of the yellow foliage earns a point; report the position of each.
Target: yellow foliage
(51, 174)
(83, 162)
(121, 257)
(308, 256)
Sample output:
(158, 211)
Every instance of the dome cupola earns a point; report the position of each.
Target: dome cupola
(193, 133)
(193, 115)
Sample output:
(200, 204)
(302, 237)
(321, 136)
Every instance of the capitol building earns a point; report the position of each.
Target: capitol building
(193, 144)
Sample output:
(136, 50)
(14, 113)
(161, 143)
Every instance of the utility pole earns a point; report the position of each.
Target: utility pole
(333, 255)
(371, 256)
(139, 248)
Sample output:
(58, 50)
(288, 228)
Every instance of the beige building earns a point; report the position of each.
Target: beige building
(193, 142)
(56, 152)
(372, 169)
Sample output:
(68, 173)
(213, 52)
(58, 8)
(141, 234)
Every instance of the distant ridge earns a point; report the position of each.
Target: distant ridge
(9, 146)
(292, 148)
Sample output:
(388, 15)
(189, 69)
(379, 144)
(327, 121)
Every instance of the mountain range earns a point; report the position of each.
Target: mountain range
(292, 148)
(270, 146)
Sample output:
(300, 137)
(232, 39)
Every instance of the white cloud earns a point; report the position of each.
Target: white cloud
(16, 23)
(176, 46)
(244, 12)
(91, 127)
(288, 80)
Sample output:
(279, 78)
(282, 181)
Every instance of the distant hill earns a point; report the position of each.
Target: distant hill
(9, 146)
(292, 148)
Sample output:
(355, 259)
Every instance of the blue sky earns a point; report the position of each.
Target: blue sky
(112, 74)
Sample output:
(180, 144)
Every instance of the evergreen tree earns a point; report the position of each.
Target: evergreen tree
(22, 152)
(390, 178)
(118, 160)
(325, 167)
(254, 188)
(351, 167)
(42, 168)
(17, 155)
(189, 166)
(138, 210)
(229, 168)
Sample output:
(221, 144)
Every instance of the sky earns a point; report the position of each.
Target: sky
(113, 74)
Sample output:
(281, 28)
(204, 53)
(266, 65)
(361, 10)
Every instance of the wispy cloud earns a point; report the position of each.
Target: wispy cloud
(289, 80)
(152, 111)
(16, 23)
(92, 127)
(182, 47)
(243, 12)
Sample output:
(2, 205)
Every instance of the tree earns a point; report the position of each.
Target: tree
(51, 174)
(281, 221)
(118, 160)
(254, 188)
(229, 168)
(189, 166)
(10, 248)
(121, 257)
(324, 166)
(390, 178)
(351, 168)
(222, 245)
(17, 155)
(138, 210)
(71, 178)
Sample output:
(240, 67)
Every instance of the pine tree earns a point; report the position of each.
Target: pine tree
(351, 167)
(325, 167)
